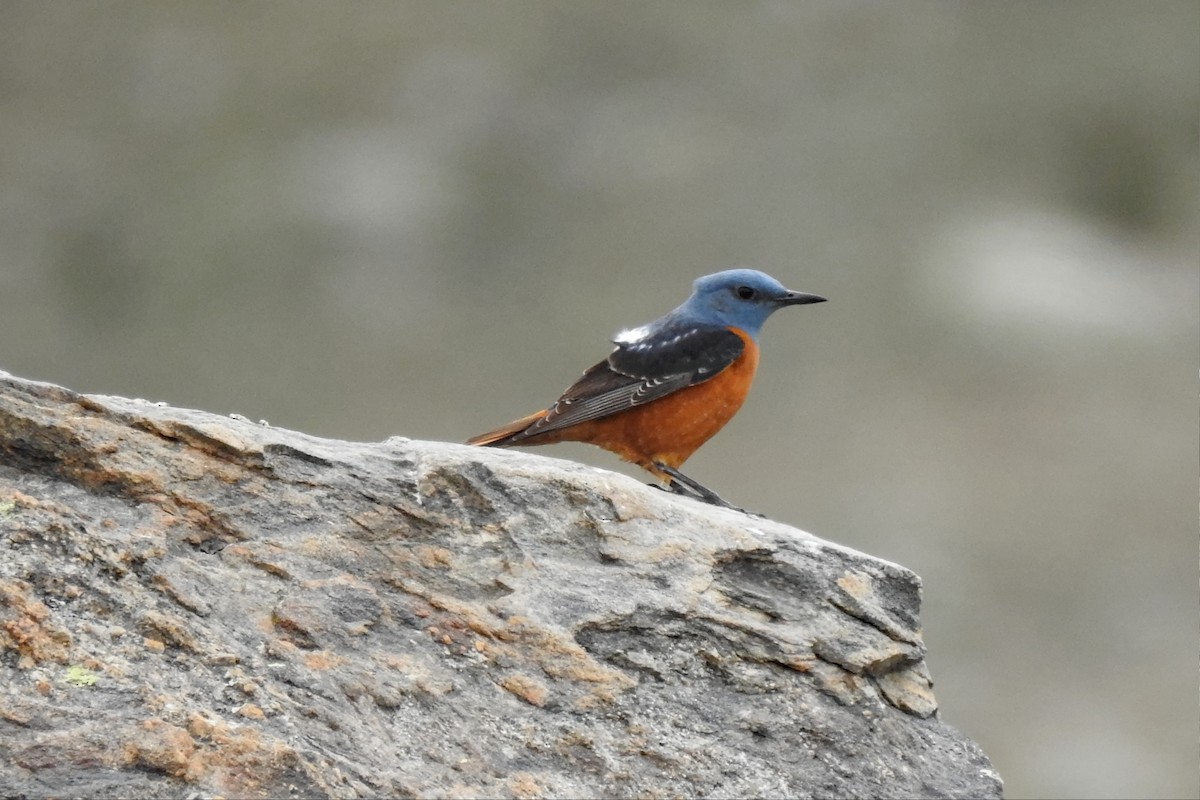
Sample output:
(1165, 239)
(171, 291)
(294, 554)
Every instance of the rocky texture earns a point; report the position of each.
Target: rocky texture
(194, 605)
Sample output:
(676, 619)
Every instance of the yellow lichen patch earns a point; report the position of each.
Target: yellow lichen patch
(77, 675)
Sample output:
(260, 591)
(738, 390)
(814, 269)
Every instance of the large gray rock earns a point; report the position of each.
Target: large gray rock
(195, 605)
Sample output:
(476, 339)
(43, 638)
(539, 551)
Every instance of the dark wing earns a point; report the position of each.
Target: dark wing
(642, 371)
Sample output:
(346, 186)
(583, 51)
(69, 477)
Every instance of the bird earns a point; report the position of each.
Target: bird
(668, 386)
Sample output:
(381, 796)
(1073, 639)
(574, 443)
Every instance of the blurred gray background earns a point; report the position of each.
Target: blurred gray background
(425, 219)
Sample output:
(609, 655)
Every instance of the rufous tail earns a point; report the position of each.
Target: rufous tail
(503, 436)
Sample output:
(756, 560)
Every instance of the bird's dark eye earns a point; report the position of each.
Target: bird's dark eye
(744, 292)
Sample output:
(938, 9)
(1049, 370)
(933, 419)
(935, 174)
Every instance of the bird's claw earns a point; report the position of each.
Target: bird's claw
(683, 485)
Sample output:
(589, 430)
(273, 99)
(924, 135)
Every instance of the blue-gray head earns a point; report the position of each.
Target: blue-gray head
(740, 298)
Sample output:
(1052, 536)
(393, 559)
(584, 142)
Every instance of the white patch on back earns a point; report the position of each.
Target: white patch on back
(632, 335)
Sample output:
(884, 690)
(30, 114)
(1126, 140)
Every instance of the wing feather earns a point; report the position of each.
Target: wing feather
(642, 371)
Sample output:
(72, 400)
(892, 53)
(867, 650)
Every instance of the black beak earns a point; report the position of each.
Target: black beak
(800, 298)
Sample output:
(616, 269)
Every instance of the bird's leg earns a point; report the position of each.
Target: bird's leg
(682, 484)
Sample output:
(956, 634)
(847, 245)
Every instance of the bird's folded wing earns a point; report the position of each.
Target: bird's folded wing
(639, 372)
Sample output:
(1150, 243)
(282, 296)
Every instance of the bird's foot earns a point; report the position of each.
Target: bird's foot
(683, 485)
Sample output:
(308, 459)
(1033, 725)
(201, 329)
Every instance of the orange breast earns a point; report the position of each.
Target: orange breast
(672, 428)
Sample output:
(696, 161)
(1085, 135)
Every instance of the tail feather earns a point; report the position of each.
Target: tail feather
(505, 435)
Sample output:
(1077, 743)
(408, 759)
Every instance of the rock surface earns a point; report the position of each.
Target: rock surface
(194, 605)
